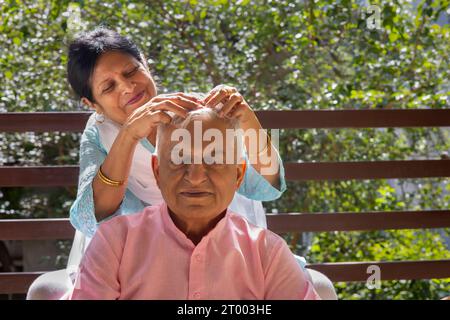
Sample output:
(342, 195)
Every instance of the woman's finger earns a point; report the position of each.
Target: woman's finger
(235, 99)
(180, 100)
(224, 92)
(237, 112)
(139, 111)
(186, 96)
(218, 97)
(189, 96)
(168, 105)
(212, 93)
(210, 98)
(160, 117)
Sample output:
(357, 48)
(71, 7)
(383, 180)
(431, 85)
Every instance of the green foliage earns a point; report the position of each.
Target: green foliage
(281, 55)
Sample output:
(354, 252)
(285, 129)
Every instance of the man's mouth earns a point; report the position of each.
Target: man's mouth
(136, 98)
(195, 193)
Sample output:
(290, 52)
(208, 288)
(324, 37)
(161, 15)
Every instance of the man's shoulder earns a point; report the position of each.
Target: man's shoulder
(265, 236)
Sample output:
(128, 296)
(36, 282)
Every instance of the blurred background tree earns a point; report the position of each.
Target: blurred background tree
(309, 54)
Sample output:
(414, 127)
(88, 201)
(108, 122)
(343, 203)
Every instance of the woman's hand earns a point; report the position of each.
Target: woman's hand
(143, 121)
(230, 103)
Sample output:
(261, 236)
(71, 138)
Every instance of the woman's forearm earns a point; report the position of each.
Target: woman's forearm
(259, 156)
(116, 166)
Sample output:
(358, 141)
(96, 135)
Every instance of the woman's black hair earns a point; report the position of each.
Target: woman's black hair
(84, 52)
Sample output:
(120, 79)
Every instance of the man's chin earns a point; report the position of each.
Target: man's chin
(197, 209)
(200, 208)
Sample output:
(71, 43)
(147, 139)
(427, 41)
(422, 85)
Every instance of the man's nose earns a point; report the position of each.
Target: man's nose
(196, 174)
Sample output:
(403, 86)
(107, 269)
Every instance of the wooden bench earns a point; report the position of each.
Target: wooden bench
(46, 176)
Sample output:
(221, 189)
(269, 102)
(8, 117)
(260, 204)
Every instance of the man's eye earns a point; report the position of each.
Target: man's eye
(177, 163)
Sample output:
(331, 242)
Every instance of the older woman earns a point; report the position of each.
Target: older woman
(191, 246)
(110, 75)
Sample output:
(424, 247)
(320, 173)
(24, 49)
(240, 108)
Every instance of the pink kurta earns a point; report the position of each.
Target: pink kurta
(145, 256)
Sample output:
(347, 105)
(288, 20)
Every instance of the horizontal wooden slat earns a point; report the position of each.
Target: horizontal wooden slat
(39, 176)
(307, 119)
(47, 176)
(363, 221)
(43, 121)
(300, 119)
(392, 270)
(337, 272)
(17, 282)
(40, 229)
(367, 170)
(36, 229)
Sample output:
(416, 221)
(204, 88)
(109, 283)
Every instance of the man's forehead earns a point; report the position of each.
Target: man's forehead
(199, 126)
(207, 121)
(198, 137)
(201, 137)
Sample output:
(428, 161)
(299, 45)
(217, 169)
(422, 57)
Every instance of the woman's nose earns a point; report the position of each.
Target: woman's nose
(127, 86)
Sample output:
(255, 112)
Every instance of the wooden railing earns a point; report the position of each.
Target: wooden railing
(45, 176)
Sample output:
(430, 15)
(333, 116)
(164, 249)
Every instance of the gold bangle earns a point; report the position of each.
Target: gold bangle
(108, 181)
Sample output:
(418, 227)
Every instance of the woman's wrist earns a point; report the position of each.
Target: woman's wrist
(127, 136)
(250, 121)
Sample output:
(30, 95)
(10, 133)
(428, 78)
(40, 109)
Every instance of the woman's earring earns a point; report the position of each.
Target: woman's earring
(99, 117)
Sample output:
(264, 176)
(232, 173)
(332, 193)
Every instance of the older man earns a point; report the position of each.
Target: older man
(191, 246)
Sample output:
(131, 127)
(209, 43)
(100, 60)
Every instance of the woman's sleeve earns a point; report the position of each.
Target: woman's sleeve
(82, 212)
(256, 187)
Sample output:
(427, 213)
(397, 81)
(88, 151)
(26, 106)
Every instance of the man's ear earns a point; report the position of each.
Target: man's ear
(241, 169)
(155, 168)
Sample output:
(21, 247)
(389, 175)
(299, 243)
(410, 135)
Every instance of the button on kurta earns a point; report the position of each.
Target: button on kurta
(197, 295)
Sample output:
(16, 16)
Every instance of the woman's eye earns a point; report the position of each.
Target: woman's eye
(133, 71)
(108, 88)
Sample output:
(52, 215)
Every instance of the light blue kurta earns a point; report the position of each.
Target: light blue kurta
(92, 155)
